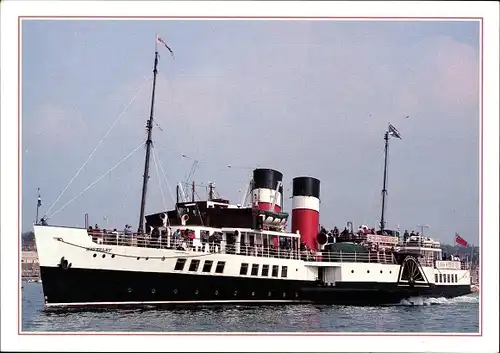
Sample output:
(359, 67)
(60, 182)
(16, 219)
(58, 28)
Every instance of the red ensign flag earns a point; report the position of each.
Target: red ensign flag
(460, 240)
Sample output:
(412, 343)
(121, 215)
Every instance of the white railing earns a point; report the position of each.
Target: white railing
(366, 257)
(165, 242)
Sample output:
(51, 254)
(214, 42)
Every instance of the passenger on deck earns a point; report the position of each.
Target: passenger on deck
(372, 231)
(406, 235)
(335, 232)
(412, 234)
(43, 222)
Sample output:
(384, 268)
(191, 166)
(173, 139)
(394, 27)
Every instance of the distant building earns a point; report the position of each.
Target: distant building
(29, 264)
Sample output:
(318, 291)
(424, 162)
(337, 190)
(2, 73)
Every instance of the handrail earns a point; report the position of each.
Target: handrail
(169, 242)
(365, 257)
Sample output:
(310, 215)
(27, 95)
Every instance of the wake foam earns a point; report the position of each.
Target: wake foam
(421, 301)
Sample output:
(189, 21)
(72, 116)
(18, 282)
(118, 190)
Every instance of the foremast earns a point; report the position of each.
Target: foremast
(149, 142)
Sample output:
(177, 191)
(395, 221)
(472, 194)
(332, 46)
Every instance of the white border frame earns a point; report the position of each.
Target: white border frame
(9, 179)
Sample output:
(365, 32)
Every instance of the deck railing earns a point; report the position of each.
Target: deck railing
(165, 242)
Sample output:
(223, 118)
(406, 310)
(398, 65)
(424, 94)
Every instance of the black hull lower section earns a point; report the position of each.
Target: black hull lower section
(102, 288)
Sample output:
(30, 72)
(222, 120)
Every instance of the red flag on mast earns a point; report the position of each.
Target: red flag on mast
(460, 240)
(158, 38)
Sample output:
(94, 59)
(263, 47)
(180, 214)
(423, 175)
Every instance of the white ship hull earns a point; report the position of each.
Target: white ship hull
(78, 272)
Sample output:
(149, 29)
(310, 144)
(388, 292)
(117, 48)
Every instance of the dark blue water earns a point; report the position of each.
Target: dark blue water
(421, 315)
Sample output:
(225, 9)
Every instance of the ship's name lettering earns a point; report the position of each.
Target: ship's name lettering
(99, 249)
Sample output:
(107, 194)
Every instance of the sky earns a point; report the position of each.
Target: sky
(308, 98)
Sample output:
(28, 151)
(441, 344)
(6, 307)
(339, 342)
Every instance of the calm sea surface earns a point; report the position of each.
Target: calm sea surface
(420, 315)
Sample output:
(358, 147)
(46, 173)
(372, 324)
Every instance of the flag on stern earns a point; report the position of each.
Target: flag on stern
(393, 131)
(460, 240)
(158, 39)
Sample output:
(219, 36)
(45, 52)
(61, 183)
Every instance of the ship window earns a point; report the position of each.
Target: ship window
(440, 277)
(452, 279)
(444, 277)
(448, 277)
(456, 278)
(179, 266)
(207, 266)
(194, 265)
(220, 266)
(255, 269)
(436, 277)
(275, 271)
(284, 271)
(265, 270)
(244, 269)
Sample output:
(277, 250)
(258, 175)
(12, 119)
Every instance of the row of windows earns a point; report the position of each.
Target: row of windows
(446, 278)
(208, 264)
(195, 264)
(265, 270)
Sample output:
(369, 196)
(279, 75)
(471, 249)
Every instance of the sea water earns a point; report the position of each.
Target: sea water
(417, 314)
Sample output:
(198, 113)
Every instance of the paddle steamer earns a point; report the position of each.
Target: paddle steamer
(213, 251)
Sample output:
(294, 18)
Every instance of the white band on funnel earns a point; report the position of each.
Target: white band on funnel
(266, 195)
(305, 202)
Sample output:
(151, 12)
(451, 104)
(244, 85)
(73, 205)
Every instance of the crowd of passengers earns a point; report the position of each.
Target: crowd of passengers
(282, 247)
(361, 233)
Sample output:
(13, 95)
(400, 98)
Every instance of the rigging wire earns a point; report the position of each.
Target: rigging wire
(96, 181)
(198, 161)
(164, 175)
(159, 181)
(99, 144)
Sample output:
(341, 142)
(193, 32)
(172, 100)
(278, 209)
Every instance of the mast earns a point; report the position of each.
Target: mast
(392, 131)
(210, 191)
(384, 190)
(149, 142)
(38, 204)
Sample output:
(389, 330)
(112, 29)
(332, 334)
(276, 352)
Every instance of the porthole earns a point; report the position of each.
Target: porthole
(138, 258)
(129, 290)
(390, 272)
(352, 271)
(175, 291)
(253, 294)
(113, 256)
(153, 291)
(103, 256)
(381, 271)
(147, 258)
(216, 292)
(235, 292)
(163, 258)
(95, 255)
(269, 294)
(367, 271)
(196, 292)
